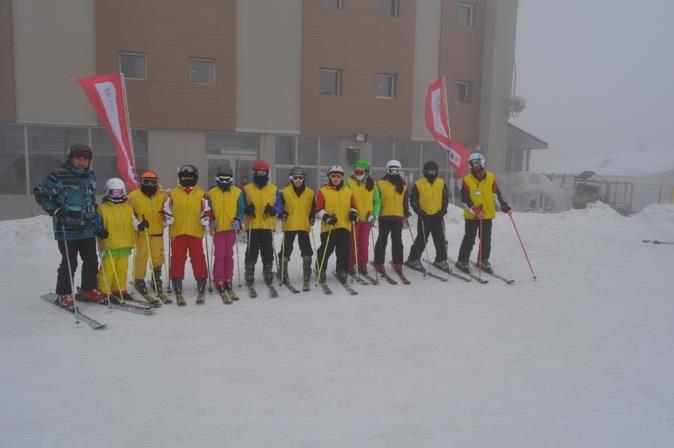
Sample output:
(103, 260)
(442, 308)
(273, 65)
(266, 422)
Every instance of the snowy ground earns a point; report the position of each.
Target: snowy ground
(584, 357)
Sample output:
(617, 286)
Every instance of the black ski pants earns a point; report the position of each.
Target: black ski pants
(260, 242)
(339, 240)
(86, 248)
(289, 241)
(430, 225)
(394, 226)
(472, 228)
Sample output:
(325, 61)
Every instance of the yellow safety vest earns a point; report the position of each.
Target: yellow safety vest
(430, 195)
(118, 221)
(187, 209)
(338, 203)
(149, 207)
(298, 208)
(223, 206)
(364, 198)
(481, 193)
(261, 197)
(391, 200)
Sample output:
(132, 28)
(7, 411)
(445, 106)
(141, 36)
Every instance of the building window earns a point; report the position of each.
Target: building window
(465, 14)
(202, 71)
(389, 8)
(133, 65)
(386, 84)
(463, 91)
(12, 160)
(104, 162)
(332, 4)
(331, 81)
(238, 145)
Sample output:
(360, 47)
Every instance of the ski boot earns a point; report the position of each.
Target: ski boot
(486, 266)
(141, 287)
(306, 273)
(462, 266)
(342, 276)
(442, 265)
(267, 274)
(201, 288)
(283, 269)
(415, 264)
(156, 286)
(379, 267)
(224, 293)
(178, 290)
(120, 296)
(230, 290)
(92, 295)
(66, 302)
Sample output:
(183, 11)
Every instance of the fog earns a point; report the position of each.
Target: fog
(597, 76)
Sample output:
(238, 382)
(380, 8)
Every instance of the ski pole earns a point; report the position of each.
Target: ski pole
(479, 254)
(376, 274)
(423, 230)
(149, 256)
(355, 249)
(522, 244)
(414, 245)
(208, 263)
(114, 273)
(168, 263)
(284, 265)
(76, 310)
(105, 275)
(325, 251)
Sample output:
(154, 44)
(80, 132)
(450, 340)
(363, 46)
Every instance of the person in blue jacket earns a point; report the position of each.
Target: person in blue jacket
(68, 195)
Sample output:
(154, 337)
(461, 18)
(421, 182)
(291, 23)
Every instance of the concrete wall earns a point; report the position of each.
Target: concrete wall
(426, 60)
(7, 103)
(54, 43)
(497, 77)
(268, 66)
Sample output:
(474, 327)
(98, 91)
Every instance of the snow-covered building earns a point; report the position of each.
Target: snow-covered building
(296, 82)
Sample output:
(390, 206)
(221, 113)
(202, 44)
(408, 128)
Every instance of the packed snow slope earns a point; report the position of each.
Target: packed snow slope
(582, 357)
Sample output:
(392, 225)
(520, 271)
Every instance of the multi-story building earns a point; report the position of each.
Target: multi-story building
(296, 82)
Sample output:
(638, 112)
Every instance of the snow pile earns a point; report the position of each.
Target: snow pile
(526, 191)
(582, 357)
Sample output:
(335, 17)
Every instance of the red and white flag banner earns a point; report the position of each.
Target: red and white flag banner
(437, 122)
(107, 93)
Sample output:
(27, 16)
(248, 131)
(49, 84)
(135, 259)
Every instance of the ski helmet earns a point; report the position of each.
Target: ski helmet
(431, 169)
(149, 178)
(115, 190)
(188, 175)
(476, 158)
(79, 150)
(261, 165)
(393, 167)
(297, 173)
(224, 175)
(362, 164)
(335, 169)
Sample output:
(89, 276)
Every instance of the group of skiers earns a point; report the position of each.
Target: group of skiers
(347, 208)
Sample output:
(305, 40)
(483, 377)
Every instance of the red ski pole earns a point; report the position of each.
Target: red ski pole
(522, 244)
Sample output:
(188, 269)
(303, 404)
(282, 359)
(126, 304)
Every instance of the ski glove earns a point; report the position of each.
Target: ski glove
(283, 216)
(269, 211)
(103, 233)
(371, 219)
(353, 215)
(59, 213)
(478, 212)
(330, 219)
(143, 225)
(505, 208)
(250, 210)
(236, 224)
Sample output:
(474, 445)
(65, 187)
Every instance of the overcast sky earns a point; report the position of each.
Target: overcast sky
(598, 77)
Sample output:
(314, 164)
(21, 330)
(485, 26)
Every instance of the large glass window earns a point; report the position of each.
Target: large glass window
(48, 146)
(382, 152)
(330, 151)
(285, 150)
(12, 160)
(242, 145)
(307, 150)
(407, 153)
(133, 65)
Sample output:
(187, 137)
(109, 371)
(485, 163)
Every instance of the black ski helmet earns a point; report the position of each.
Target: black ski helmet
(188, 175)
(297, 171)
(224, 170)
(79, 150)
(431, 169)
(224, 176)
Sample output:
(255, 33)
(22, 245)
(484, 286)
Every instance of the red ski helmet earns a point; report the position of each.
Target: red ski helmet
(261, 165)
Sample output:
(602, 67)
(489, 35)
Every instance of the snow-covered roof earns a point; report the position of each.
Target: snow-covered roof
(634, 164)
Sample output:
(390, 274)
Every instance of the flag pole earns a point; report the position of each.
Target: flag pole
(451, 170)
(128, 128)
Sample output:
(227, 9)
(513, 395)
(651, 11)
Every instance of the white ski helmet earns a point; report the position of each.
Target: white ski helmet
(336, 169)
(476, 158)
(115, 190)
(393, 167)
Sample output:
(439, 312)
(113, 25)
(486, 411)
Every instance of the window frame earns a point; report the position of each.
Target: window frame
(340, 6)
(133, 53)
(392, 85)
(338, 73)
(463, 91)
(393, 9)
(470, 7)
(198, 59)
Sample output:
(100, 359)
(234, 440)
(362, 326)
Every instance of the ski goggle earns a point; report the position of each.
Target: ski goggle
(224, 179)
(260, 173)
(149, 182)
(359, 171)
(297, 178)
(393, 170)
(431, 172)
(116, 194)
(335, 175)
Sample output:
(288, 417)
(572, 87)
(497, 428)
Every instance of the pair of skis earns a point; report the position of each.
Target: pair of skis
(79, 316)
(390, 280)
